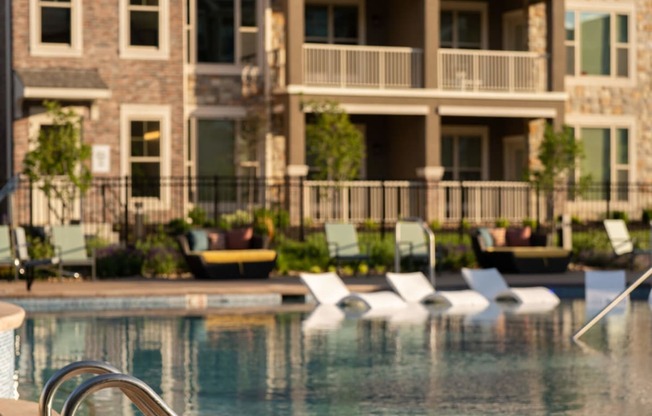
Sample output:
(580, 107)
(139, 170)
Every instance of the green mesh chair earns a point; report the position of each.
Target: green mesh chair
(343, 246)
(70, 248)
(7, 256)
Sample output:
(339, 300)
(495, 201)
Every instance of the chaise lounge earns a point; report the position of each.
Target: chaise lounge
(224, 264)
(518, 254)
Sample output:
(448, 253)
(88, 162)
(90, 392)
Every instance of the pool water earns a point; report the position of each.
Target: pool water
(267, 364)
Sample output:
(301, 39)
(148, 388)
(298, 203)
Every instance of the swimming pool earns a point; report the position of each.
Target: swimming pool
(265, 364)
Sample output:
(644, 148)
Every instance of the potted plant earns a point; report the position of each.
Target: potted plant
(239, 229)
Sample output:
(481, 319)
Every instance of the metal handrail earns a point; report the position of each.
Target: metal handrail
(613, 304)
(147, 400)
(145, 403)
(431, 247)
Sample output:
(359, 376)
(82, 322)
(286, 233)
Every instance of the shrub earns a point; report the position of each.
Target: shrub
(502, 223)
(118, 261)
(529, 222)
(619, 215)
(160, 254)
(435, 225)
(647, 215)
(294, 255)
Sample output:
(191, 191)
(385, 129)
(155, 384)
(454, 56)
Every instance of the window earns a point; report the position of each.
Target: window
(226, 31)
(145, 149)
(55, 27)
(463, 28)
(598, 44)
(332, 24)
(144, 29)
(463, 152)
(606, 159)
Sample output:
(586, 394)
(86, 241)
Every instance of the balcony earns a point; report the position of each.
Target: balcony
(492, 71)
(376, 67)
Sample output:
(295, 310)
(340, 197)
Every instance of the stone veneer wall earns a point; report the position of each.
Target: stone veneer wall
(7, 363)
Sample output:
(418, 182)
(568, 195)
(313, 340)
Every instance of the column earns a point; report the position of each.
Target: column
(432, 172)
(295, 127)
(430, 42)
(295, 35)
(555, 14)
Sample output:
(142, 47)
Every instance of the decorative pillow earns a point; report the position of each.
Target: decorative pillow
(485, 238)
(216, 241)
(518, 237)
(498, 235)
(198, 240)
(239, 238)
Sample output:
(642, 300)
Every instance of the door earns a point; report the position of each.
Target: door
(515, 31)
(514, 158)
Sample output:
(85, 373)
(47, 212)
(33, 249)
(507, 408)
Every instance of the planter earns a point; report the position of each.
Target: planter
(239, 238)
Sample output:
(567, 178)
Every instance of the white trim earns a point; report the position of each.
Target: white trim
(37, 48)
(459, 130)
(416, 110)
(612, 79)
(425, 93)
(66, 93)
(215, 111)
(163, 114)
(493, 111)
(214, 69)
(162, 52)
(579, 121)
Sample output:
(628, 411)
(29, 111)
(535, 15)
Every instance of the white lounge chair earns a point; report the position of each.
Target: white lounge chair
(601, 287)
(415, 288)
(621, 242)
(329, 289)
(490, 283)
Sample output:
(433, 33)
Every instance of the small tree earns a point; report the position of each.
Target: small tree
(335, 145)
(559, 156)
(56, 163)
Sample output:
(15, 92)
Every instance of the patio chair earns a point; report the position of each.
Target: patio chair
(412, 246)
(26, 266)
(491, 284)
(622, 243)
(70, 247)
(7, 254)
(415, 288)
(329, 289)
(343, 246)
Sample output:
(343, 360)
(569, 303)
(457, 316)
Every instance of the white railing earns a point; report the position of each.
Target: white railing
(362, 66)
(491, 71)
(389, 201)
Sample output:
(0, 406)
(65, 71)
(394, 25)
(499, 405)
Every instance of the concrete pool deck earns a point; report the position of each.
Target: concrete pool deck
(286, 286)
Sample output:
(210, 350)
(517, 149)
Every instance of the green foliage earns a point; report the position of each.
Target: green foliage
(465, 225)
(178, 226)
(160, 255)
(335, 146)
(119, 261)
(38, 248)
(502, 222)
(297, 256)
(646, 217)
(559, 155)
(58, 152)
(619, 215)
(529, 222)
(370, 225)
(237, 219)
(435, 225)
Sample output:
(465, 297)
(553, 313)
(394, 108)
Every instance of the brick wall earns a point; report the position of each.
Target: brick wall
(130, 81)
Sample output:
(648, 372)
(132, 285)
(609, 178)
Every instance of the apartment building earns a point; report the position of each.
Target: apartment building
(442, 90)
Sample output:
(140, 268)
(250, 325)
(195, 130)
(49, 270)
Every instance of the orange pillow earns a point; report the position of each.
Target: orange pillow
(498, 235)
(519, 237)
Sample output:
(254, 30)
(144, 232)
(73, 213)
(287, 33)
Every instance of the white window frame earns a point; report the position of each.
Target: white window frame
(613, 123)
(162, 52)
(360, 4)
(457, 6)
(456, 131)
(613, 9)
(137, 112)
(235, 68)
(37, 48)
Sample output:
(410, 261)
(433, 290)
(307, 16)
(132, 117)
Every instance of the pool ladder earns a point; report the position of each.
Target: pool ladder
(106, 376)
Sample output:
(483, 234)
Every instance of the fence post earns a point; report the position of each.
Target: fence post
(31, 204)
(383, 219)
(607, 185)
(301, 213)
(462, 210)
(103, 193)
(126, 218)
(215, 198)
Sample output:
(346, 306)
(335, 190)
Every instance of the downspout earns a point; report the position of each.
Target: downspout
(8, 104)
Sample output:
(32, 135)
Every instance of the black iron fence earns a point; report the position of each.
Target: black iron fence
(121, 207)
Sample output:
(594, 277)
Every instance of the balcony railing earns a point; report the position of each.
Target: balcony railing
(492, 71)
(362, 66)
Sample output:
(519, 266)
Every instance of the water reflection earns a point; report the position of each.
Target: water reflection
(324, 362)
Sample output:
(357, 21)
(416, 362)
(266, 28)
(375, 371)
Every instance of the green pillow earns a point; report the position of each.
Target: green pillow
(486, 238)
(198, 240)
